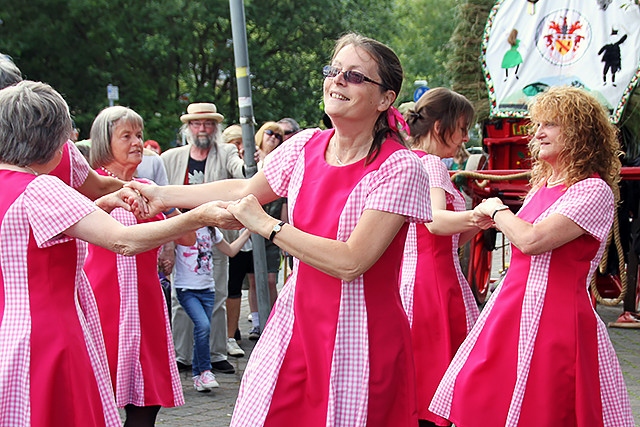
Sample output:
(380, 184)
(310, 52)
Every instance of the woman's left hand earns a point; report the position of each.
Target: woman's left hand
(124, 198)
(251, 214)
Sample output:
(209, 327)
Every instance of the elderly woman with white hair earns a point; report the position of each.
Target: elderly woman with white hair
(132, 307)
(52, 356)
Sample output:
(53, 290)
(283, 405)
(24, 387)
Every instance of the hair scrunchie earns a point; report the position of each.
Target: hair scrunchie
(396, 121)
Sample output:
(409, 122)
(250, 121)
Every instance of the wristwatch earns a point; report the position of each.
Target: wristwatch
(276, 229)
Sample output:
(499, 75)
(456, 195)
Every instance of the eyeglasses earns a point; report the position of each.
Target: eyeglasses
(349, 76)
(197, 124)
(269, 132)
(289, 132)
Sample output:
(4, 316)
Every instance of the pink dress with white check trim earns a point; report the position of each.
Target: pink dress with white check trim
(135, 323)
(539, 355)
(435, 294)
(337, 353)
(53, 370)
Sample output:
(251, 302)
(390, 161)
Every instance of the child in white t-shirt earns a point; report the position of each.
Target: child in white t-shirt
(193, 279)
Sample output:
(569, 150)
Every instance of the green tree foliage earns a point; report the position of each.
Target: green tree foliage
(464, 61)
(422, 43)
(164, 54)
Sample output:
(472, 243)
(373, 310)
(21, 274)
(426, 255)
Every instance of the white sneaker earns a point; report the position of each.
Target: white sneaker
(205, 381)
(250, 318)
(233, 349)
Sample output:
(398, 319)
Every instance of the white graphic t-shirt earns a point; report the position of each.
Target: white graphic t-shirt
(194, 264)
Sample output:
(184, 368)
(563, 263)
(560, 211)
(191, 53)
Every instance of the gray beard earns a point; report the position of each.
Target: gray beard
(201, 141)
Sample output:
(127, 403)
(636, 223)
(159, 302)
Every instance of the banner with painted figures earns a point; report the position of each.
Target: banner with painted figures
(529, 46)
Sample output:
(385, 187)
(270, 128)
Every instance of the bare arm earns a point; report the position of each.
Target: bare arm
(186, 239)
(97, 185)
(344, 260)
(101, 229)
(446, 222)
(189, 196)
(532, 239)
(232, 249)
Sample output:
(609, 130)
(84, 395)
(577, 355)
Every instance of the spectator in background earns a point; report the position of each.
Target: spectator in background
(268, 138)
(153, 146)
(152, 167)
(289, 127)
(84, 147)
(195, 288)
(240, 266)
(75, 133)
(204, 159)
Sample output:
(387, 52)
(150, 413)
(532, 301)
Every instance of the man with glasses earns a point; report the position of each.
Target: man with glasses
(204, 159)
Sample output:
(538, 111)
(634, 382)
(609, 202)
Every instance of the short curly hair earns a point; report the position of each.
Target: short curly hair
(591, 143)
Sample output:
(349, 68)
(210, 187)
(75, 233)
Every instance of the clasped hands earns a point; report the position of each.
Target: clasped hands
(482, 213)
(145, 201)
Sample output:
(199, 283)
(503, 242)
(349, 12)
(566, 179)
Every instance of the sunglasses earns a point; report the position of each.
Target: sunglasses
(349, 76)
(269, 132)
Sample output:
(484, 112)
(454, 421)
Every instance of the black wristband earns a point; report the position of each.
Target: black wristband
(498, 209)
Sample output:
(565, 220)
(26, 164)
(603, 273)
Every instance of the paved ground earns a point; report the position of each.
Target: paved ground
(214, 409)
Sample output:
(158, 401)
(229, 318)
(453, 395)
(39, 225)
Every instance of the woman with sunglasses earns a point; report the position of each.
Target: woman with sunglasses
(337, 347)
(268, 138)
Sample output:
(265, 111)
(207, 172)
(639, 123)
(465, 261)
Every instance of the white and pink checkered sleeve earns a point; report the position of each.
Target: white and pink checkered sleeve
(437, 171)
(283, 159)
(590, 204)
(401, 186)
(52, 207)
(79, 166)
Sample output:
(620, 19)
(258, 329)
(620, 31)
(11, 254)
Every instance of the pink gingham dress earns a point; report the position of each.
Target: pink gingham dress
(435, 294)
(337, 353)
(53, 368)
(73, 168)
(539, 355)
(135, 323)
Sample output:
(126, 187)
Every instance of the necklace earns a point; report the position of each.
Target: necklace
(108, 172)
(335, 153)
(31, 170)
(551, 183)
(20, 169)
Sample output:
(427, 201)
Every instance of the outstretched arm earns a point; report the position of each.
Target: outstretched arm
(169, 196)
(101, 229)
(344, 260)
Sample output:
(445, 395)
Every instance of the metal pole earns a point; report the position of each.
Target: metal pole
(245, 104)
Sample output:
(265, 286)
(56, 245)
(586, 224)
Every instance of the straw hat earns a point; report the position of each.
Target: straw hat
(201, 111)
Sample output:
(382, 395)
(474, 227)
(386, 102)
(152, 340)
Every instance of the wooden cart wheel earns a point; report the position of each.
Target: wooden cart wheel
(479, 270)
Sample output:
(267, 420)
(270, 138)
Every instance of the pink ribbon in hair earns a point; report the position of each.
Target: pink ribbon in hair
(396, 121)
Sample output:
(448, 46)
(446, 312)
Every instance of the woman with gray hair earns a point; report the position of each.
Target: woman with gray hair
(52, 356)
(128, 292)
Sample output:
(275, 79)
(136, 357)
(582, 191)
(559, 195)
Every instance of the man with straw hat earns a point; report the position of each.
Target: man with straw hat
(204, 159)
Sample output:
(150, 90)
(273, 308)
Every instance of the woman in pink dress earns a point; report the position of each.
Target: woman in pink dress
(53, 367)
(435, 294)
(337, 348)
(539, 355)
(132, 307)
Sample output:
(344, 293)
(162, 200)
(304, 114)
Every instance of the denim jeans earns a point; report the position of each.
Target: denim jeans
(198, 304)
